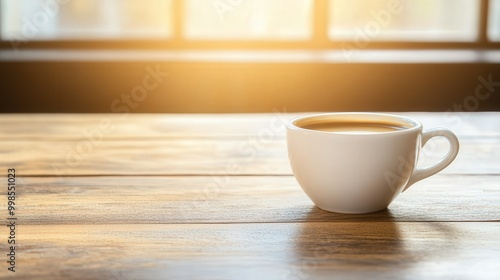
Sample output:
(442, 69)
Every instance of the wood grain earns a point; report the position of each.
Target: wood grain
(148, 126)
(65, 145)
(208, 156)
(212, 197)
(328, 250)
(237, 199)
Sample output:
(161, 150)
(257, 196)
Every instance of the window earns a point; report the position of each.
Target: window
(199, 24)
(404, 20)
(494, 21)
(247, 20)
(85, 19)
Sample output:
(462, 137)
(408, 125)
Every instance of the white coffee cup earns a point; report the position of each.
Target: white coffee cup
(346, 168)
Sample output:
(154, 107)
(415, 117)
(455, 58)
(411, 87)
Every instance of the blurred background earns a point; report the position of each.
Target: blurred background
(236, 56)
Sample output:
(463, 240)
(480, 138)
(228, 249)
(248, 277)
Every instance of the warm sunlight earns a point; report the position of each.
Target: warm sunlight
(404, 20)
(259, 19)
(287, 20)
(86, 19)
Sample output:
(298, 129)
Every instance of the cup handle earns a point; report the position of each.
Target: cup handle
(422, 173)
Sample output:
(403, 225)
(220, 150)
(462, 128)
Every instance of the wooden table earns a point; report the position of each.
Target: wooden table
(213, 197)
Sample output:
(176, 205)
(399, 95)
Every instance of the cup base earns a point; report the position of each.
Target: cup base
(352, 212)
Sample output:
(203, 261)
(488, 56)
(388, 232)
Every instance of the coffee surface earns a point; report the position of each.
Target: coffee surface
(353, 127)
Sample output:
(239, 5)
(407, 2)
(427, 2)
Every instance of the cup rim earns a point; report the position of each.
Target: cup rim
(414, 124)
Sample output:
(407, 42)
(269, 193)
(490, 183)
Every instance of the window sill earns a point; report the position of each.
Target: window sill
(258, 56)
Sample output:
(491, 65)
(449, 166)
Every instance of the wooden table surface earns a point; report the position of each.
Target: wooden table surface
(213, 197)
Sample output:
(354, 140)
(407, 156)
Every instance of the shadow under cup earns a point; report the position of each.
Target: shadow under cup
(353, 162)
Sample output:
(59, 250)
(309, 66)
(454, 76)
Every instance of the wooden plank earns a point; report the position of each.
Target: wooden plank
(223, 199)
(148, 126)
(138, 126)
(206, 156)
(228, 226)
(348, 250)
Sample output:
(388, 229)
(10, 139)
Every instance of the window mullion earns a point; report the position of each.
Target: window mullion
(320, 23)
(178, 21)
(483, 22)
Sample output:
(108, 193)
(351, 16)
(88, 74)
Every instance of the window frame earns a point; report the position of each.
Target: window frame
(319, 40)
